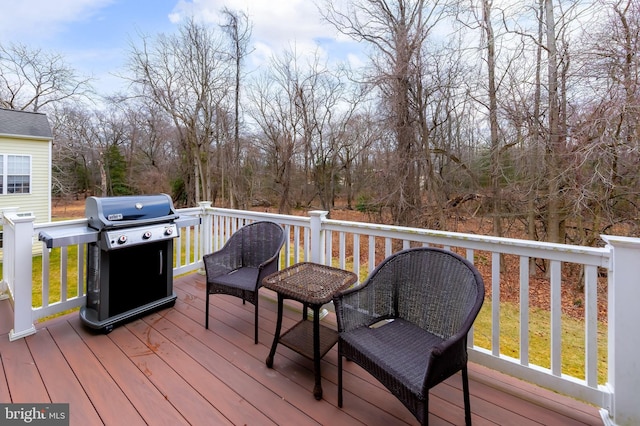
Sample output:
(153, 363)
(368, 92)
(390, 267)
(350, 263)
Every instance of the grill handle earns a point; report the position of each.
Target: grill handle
(99, 225)
(161, 263)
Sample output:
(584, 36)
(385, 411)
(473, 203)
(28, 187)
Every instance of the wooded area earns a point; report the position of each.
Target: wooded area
(521, 112)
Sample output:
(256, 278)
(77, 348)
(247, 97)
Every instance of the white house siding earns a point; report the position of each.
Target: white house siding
(38, 201)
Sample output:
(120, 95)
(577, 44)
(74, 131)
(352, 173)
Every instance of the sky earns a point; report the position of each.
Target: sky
(94, 36)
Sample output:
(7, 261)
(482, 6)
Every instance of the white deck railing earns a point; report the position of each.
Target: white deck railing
(359, 247)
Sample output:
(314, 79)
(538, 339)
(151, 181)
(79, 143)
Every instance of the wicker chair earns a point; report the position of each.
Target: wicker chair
(237, 269)
(407, 324)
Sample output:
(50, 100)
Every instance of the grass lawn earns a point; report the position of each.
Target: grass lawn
(573, 338)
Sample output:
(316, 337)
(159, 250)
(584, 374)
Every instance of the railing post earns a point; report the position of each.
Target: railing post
(624, 318)
(17, 270)
(4, 287)
(207, 228)
(317, 236)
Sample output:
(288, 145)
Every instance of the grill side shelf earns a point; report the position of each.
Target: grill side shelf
(68, 236)
(187, 220)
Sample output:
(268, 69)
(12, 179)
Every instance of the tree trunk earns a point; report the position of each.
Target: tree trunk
(553, 152)
(493, 122)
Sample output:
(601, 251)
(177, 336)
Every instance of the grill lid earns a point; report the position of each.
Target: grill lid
(127, 211)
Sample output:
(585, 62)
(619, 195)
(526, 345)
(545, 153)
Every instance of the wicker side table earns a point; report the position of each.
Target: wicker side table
(313, 285)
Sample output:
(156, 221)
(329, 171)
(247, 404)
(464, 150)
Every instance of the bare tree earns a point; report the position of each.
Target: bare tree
(606, 132)
(554, 147)
(88, 147)
(151, 150)
(239, 30)
(493, 116)
(273, 97)
(359, 134)
(535, 102)
(188, 76)
(397, 32)
(325, 102)
(72, 154)
(441, 99)
(31, 79)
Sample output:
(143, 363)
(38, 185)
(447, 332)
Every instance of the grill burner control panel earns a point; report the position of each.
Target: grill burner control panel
(127, 237)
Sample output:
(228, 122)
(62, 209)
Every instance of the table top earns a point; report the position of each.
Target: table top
(309, 282)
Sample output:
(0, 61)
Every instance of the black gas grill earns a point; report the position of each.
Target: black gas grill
(129, 257)
(130, 267)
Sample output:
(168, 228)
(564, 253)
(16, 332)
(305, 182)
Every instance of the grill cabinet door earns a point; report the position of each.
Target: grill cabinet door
(129, 278)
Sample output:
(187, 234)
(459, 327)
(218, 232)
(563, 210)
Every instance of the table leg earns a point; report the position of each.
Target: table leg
(276, 336)
(317, 389)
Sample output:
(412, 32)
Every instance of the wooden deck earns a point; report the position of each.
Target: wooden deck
(167, 369)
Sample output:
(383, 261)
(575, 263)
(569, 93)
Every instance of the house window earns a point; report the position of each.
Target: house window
(15, 174)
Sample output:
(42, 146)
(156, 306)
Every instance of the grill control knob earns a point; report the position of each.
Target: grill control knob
(168, 231)
(122, 239)
(146, 235)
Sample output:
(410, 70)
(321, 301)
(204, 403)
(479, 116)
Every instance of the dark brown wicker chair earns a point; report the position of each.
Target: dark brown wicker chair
(237, 269)
(407, 324)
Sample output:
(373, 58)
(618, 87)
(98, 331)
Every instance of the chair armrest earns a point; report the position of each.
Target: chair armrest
(450, 355)
(361, 306)
(370, 302)
(446, 359)
(270, 261)
(220, 262)
(268, 267)
(457, 342)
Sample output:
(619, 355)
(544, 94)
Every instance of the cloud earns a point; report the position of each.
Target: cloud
(93, 35)
(276, 25)
(30, 20)
(278, 21)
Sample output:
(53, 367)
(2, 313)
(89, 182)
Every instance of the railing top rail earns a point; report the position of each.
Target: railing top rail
(596, 256)
(190, 210)
(252, 215)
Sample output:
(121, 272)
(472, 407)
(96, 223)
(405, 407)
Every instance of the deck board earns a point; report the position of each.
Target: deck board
(60, 381)
(246, 376)
(124, 370)
(166, 368)
(21, 373)
(231, 405)
(4, 386)
(150, 352)
(110, 401)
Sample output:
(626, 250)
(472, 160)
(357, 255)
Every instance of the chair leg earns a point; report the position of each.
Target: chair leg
(467, 402)
(255, 320)
(206, 309)
(339, 375)
(425, 410)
